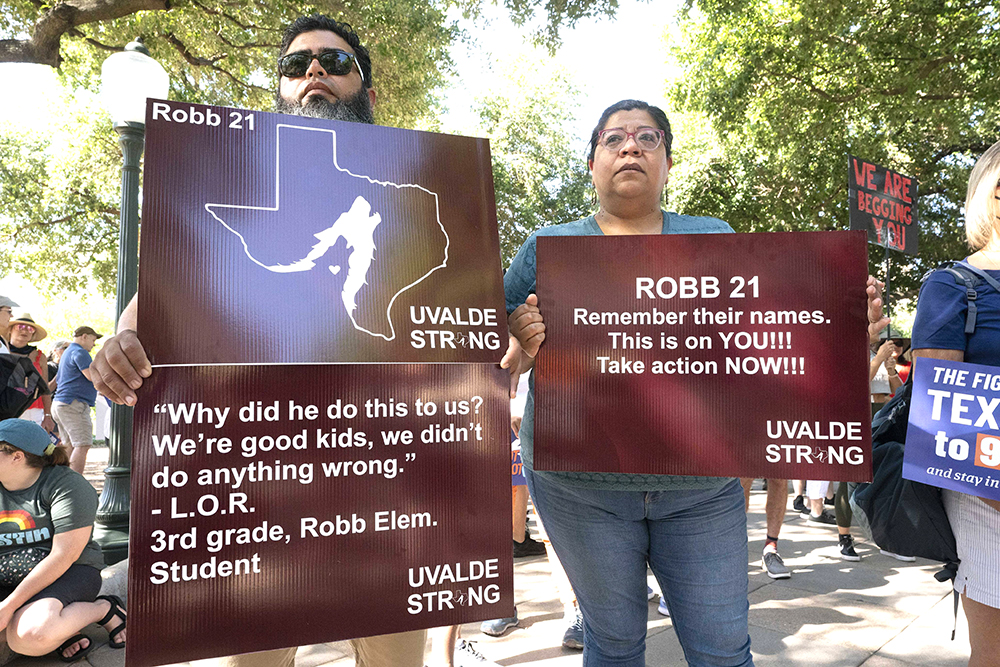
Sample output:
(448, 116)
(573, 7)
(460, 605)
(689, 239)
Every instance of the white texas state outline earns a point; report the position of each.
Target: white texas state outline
(359, 213)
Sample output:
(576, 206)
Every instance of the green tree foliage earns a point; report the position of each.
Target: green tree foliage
(791, 87)
(223, 51)
(538, 178)
(58, 215)
(59, 197)
(555, 14)
(59, 212)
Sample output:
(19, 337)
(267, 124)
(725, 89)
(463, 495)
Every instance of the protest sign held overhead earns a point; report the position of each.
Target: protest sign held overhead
(884, 204)
(386, 238)
(321, 452)
(723, 354)
(953, 438)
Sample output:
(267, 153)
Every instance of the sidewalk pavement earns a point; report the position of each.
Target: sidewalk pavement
(878, 613)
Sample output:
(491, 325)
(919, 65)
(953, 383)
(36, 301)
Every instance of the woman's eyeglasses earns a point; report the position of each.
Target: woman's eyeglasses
(25, 327)
(647, 138)
(334, 61)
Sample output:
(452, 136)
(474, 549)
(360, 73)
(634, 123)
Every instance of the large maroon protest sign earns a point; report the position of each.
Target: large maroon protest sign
(722, 354)
(311, 240)
(303, 504)
(884, 204)
(322, 450)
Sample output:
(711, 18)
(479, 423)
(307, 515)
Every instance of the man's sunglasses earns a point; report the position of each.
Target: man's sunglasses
(334, 61)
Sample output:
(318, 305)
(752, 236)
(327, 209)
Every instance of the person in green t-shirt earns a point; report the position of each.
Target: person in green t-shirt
(50, 568)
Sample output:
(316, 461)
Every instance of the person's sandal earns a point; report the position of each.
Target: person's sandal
(117, 609)
(79, 655)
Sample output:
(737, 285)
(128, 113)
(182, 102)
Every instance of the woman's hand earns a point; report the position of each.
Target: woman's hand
(884, 354)
(526, 325)
(875, 320)
(513, 360)
(890, 362)
(6, 613)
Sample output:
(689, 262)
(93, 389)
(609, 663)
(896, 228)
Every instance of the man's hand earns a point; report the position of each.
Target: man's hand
(119, 367)
(875, 320)
(48, 424)
(527, 326)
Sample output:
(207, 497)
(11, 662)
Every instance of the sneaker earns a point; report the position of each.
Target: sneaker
(662, 608)
(847, 551)
(828, 502)
(649, 592)
(573, 637)
(905, 559)
(825, 519)
(467, 656)
(498, 626)
(774, 566)
(528, 548)
(799, 504)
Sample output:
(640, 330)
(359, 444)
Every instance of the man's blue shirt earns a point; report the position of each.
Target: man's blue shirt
(71, 385)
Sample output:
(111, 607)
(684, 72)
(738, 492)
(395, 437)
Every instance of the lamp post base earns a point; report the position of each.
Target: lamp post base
(113, 543)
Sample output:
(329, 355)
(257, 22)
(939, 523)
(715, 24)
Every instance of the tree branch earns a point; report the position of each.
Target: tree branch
(972, 147)
(240, 82)
(210, 63)
(252, 45)
(231, 18)
(49, 223)
(188, 56)
(43, 47)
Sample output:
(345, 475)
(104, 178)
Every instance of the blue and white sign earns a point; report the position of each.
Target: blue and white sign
(953, 436)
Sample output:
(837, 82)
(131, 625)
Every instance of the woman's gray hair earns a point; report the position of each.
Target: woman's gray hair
(982, 210)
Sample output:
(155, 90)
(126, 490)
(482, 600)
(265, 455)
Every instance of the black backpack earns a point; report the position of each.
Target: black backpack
(20, 385)
(899, 515)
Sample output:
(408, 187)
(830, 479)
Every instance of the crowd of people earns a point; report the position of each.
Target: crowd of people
(50, 570)
(603, 531)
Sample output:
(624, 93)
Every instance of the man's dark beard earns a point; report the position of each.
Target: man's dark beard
(355, 109)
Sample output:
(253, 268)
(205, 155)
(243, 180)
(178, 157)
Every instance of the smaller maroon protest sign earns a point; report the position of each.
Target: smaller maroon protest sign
(883, 203)
(706, 354)
(281, 506)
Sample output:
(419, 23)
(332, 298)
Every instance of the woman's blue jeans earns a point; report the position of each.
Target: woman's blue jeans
(695, 541)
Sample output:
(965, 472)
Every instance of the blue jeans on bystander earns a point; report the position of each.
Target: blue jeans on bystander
(695, 541)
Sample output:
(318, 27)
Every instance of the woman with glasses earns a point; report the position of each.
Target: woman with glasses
(939, 333)
(21, 333)
(606, 528)
(50, 567)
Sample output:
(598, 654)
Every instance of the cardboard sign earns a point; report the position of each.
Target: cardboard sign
(306, 240)
(883, 203)
(953, 438)
(310, 463)
(279, 506)
(707, 354)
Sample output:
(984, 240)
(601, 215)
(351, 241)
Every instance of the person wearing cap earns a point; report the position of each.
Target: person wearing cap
(75, 396)
(50, 566)
(21, 333)
(7, 306)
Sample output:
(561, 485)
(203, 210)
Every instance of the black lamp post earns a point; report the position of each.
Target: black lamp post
(127, 79)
